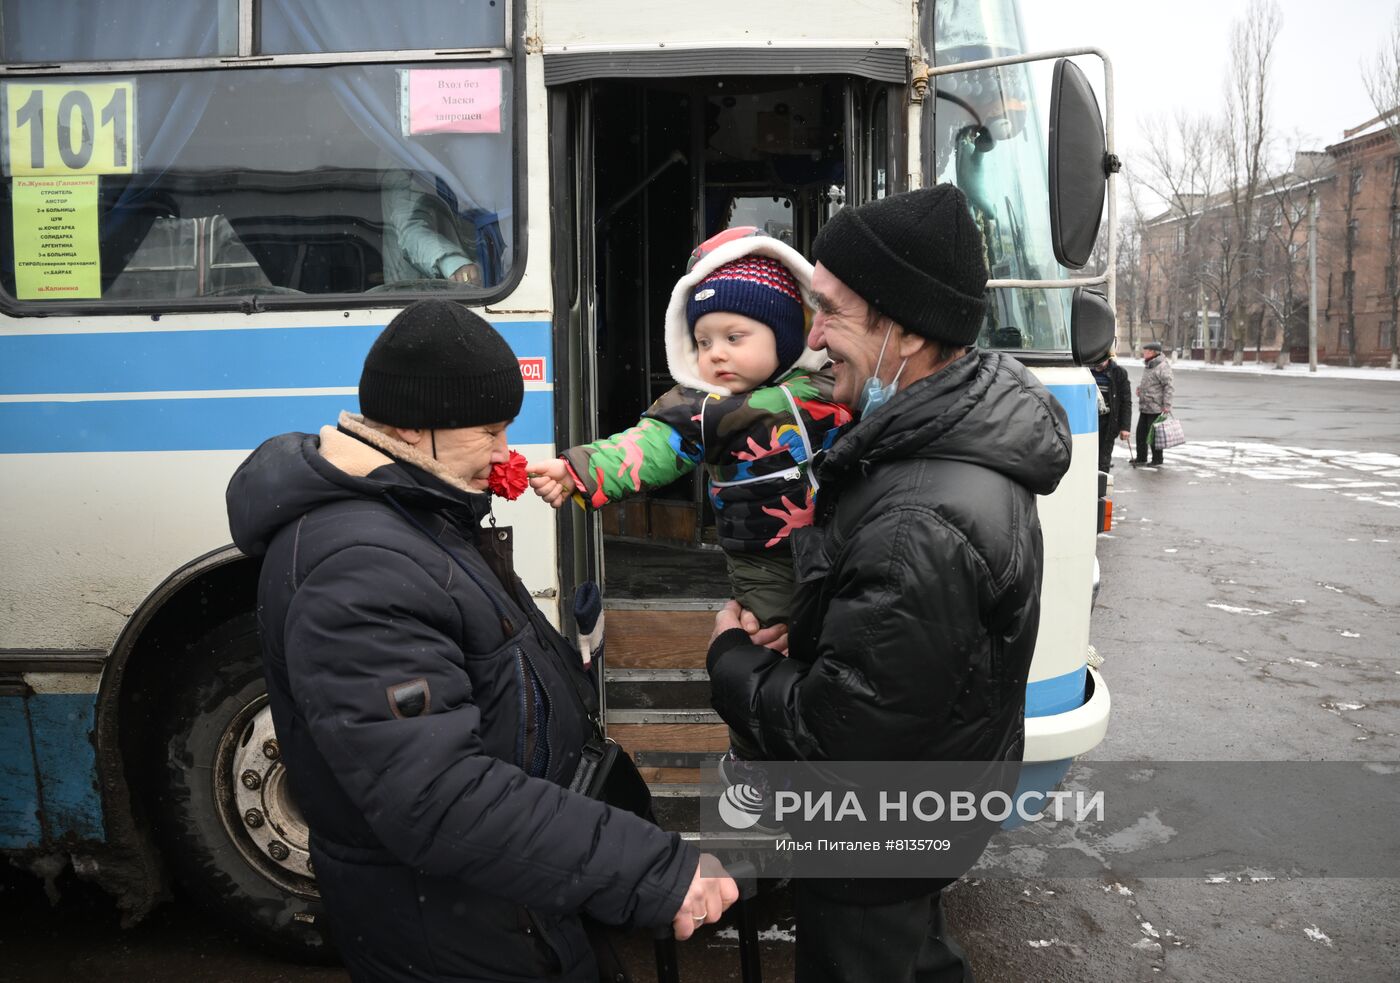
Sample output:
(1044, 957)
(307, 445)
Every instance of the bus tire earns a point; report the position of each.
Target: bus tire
(228, 828)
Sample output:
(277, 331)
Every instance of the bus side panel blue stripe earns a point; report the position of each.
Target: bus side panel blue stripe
(63, 748)
(174, 361)
(1058, 694)
(1081, 405)
(232, 423)
(19, 788)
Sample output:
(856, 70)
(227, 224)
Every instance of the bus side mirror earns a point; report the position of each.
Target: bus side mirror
(1092, 326)
(1078, 180)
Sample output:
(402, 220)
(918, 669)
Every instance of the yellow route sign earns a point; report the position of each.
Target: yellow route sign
(67, 128)
(57, 256)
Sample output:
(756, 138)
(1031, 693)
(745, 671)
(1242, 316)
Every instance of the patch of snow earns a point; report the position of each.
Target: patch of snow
(1147, 929)
(1317, 935)
(1335, 590)
(774, 934)
(1116, 888)
(1231, 609)
(1147, 945)
(1217, 880)
(1348, 634)
(1305, 662)
(1169, 551)
(1043, 943)
(1292, 372)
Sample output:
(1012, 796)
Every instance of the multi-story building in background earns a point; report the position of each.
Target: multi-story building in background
(1200, 288)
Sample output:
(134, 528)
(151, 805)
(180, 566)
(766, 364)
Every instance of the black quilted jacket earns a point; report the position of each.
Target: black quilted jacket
(443, 841)
(918, 589)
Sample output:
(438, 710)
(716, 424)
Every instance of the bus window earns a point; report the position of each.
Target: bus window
(332, 180)
(116, 30)
(767, 212)
(298, 26)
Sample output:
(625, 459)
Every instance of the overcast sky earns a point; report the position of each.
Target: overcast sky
(1170, 55)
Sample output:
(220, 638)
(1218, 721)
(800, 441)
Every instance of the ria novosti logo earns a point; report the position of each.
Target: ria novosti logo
(741, 806)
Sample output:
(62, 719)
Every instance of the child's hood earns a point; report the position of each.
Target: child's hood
(682, 359)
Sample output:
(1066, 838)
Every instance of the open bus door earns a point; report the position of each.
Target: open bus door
(644, 169)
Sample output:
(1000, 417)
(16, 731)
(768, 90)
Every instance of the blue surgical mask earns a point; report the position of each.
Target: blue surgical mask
(876, 394)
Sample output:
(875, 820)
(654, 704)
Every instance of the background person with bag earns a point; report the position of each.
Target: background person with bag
(1116, 409)
(1154, 392)
(430, 718)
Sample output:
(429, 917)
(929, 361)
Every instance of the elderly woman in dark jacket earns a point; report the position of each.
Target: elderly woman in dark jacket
(430, 718)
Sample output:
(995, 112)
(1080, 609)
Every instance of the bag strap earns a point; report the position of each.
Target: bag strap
(806, 441)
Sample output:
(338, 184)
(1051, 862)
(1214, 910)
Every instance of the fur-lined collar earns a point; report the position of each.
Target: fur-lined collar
(374, 449)
(682, 359)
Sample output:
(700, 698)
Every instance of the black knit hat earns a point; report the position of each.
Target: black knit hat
(916, 257)
(438, 366)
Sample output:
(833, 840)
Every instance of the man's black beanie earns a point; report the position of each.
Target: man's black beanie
(916, 257)
(438, 366)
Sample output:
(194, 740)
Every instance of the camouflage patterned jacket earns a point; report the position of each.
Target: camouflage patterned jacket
(756, 447)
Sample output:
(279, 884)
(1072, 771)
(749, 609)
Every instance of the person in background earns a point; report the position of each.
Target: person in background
(431, 719)
(423, 239)
(1154, 393)
(1116, 408)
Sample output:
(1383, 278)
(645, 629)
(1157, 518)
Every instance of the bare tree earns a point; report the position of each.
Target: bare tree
(1128, 274)
(1156, 265)
(1382, 79)
(1351, 173)
(1283, 292)
(1181, 167)
(1246, 138)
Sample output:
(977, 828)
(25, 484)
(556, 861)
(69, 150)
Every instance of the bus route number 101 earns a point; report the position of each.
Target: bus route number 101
(61, 129)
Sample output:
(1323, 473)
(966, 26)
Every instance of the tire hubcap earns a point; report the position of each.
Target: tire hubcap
(256, 804)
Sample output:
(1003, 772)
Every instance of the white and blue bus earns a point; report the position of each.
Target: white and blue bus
(211, 208)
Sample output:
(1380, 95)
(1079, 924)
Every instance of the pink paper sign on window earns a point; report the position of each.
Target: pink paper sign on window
(454, 100)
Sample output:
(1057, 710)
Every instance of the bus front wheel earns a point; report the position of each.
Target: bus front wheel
(230, 829)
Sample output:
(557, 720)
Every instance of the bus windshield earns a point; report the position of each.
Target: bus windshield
(989, 142)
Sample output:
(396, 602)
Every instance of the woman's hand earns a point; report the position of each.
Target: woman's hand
(550, 481)
(711, 892)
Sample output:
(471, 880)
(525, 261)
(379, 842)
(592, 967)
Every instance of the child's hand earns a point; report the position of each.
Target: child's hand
(551, 481)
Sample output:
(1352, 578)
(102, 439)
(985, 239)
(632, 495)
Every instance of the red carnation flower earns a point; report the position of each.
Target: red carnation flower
(509, 480)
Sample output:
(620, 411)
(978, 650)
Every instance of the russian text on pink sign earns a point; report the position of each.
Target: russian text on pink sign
(454, 100)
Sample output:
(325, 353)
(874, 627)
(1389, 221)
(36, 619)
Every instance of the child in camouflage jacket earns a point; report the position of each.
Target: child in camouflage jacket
(751, 401)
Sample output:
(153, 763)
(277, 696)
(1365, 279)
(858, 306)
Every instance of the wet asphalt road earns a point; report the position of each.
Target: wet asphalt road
(1197, 671)
(1287, 501)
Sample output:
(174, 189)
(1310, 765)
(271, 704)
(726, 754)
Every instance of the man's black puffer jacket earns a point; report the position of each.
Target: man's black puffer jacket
(918, 594)
(442, 839)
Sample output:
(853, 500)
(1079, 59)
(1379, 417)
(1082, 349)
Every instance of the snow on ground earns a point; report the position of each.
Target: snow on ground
(1365, 476)
(1296, 370)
